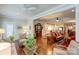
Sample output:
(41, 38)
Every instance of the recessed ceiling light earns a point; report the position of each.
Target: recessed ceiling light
(73, 10)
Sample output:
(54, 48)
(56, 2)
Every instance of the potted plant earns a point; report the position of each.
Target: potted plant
(30, 45)
(30, 42)
(10, 39)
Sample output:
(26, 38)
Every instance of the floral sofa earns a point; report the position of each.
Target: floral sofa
(72, 49)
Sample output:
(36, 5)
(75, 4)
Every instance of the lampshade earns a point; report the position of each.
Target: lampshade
(2, 31)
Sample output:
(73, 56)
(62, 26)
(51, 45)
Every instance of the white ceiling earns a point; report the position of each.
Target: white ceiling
(64, 16)
(23, 11)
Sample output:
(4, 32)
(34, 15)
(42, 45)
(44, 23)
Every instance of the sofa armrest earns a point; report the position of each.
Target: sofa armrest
(60, 46)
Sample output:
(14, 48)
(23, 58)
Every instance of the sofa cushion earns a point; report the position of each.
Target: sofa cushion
(59, 51)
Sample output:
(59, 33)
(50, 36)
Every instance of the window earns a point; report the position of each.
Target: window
(9, 29)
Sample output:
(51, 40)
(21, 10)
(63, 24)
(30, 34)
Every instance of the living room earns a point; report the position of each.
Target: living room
(25, 30)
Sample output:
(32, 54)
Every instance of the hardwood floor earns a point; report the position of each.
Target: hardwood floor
(42, 46)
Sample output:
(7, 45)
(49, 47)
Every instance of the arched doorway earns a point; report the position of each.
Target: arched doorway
(38, 32)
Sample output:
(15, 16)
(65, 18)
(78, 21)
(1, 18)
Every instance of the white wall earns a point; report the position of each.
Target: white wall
(77, 23)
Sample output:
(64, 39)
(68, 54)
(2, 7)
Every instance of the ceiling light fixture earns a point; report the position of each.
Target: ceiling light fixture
(73, 10)
(57, 19)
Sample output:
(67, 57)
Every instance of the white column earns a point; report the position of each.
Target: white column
(77, 23)
(31, 28)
